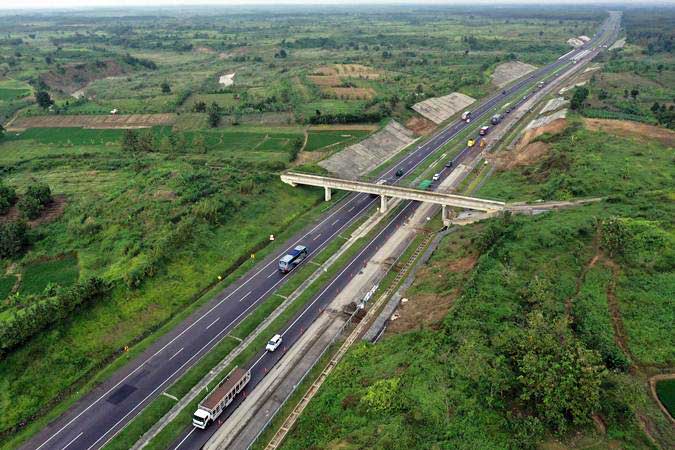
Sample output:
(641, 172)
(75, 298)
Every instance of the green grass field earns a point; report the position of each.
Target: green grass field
(36, 277)
(318, 140)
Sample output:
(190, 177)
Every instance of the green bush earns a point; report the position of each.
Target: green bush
(7, 197)
(13, 238)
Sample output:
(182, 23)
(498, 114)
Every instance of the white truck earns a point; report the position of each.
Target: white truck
(215, 403)
(466, 116)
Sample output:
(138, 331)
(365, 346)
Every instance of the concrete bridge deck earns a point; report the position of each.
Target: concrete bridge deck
(386, 191)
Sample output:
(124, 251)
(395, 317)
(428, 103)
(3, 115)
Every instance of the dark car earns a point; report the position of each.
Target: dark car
(448, 164)
(399, 173)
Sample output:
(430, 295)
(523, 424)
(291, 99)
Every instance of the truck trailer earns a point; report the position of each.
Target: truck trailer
(293, 258)
(215, 403)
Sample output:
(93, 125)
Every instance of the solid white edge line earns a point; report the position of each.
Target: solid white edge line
(185, 438)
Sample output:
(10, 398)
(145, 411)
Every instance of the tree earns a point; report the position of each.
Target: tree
(13, 238)
(578, 98)
(130, 141)
(2, 131)
(296, 146)
(7, 197)
(43, 99)
(146, 141)
(559, 378)
(200, 106)
(38, 195)
(656, 107)
(166, 88)
(213, 115)
(634, 93)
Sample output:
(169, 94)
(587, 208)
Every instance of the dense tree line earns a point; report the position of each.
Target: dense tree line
(47, 310)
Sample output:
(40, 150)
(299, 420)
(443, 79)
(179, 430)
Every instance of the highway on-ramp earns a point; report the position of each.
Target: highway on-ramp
(98, 416)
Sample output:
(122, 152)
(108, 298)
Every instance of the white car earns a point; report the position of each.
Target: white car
(274, 343)
(436, 177)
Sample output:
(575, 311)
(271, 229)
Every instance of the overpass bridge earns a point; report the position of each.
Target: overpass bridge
(389, 191)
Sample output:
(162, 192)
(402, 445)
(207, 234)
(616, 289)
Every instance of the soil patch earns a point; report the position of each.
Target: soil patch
(93, 121)
(555, 127)
(421, 311)
(77, 76)
(350, 93)
(626, 128)
(352, 126)
(420, 126)
(308, 157)
(520, 156)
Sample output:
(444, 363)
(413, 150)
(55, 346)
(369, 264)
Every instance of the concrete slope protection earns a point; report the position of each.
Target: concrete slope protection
(98, 416)
(262, 363)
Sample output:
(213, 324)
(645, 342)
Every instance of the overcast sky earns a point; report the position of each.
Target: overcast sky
(41, 4)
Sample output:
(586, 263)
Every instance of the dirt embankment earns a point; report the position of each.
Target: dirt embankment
(73, 77)
(420, 126)
(527, 152)
(626, 128)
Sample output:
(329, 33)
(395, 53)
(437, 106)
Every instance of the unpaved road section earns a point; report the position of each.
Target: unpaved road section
(361, 158)
(439, 109)
(510, 71)
(111, 121)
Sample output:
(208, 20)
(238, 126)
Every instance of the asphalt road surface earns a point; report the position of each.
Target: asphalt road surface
(96, 418)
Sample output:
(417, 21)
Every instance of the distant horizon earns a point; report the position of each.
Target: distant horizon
(46, 5)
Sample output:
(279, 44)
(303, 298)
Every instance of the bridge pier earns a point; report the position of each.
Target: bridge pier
(445, 215)
(327, 194)
(384, 204)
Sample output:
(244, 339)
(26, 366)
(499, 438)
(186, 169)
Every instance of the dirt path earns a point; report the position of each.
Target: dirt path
(582, 276)
(620, 336)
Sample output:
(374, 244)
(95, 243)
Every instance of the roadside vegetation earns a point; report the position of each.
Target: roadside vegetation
(108, 236)
(529, 332)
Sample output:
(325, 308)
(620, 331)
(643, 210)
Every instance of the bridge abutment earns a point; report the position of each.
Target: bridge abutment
(327, 194)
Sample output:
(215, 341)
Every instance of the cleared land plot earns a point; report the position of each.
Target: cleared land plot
(110, 121)
(325, 80)
(363, 157)
(439, 109)
(317, 140)
(350, 92)
(509, 71)
(349, 71)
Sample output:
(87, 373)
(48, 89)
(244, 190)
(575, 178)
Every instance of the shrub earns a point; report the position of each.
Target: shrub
(13, 238)
(37, 196)
(7, 197)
